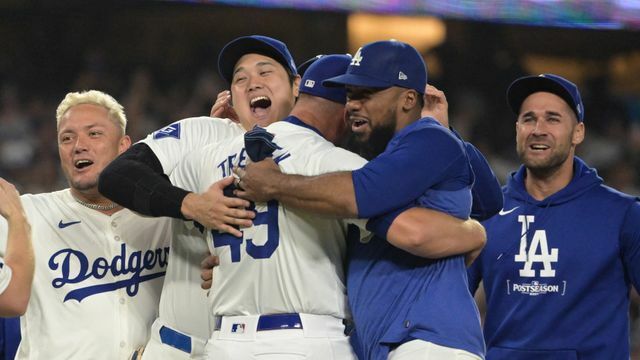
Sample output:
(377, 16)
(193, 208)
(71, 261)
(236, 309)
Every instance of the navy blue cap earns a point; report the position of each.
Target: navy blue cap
(383, 64)
(521, 88)
(324, 67)
(253, 44)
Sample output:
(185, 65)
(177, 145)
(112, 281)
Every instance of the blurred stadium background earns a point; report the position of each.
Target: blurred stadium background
(158, 59)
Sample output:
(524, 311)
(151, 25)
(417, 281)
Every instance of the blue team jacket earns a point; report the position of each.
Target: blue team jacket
(557, 272)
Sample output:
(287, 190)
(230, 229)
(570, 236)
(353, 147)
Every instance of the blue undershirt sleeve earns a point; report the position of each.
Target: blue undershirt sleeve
(398, 176)
(486, 190)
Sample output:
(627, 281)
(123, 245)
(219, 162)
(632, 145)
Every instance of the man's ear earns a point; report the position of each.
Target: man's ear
(296, 86)
(410, 101)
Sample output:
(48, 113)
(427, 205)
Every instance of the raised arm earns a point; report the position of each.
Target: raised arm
(19, 256)
(486, 191)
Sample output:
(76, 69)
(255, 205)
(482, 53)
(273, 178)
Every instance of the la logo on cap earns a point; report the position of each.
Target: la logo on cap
(356, 58)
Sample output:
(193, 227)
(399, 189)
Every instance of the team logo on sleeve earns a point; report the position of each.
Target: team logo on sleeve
(171, 131)
(126, 270)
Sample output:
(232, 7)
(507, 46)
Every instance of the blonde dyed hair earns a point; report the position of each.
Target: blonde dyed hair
(94, 97)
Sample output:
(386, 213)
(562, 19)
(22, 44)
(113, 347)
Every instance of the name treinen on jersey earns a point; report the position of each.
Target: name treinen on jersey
(75, 267)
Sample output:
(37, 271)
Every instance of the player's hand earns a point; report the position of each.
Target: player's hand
(207, 266)
(435, 105)
(256, 182)
(215, 211)
(10, 205)
(222, 108)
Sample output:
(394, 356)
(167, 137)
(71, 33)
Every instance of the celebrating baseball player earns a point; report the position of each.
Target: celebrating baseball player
(264, 90)
(433, 316)
(563, 253)
(99, 267)
(16, 269)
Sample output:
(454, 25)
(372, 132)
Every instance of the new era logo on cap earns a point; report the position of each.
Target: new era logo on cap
(383, 64)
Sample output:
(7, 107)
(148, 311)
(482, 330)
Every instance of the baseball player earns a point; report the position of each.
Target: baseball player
(432, 316)
(16, 269)
(100, 268)
(262, 283)
(563, 253)
(264, 83)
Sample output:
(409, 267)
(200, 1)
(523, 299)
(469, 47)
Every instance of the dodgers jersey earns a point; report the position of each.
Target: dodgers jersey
(183, 304)
(397, 297)
(97, 279)
(557, 272)
(289, 261)
(5, 275)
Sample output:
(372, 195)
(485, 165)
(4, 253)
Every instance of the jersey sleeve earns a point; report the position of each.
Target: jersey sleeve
(630, 243)
(171, 143)
(421, 159)
(5, 275)
(4, 234)
(187, 173)
(486, 190)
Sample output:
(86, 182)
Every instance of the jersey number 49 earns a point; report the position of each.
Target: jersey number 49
(268, 218)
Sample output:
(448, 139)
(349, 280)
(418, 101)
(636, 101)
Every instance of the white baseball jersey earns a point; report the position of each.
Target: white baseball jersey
(5, 275)
(97, 279)
(183, 304)
(289, 261)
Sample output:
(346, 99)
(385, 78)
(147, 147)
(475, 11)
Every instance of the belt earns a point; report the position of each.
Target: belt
(272, 322)
(175, 339)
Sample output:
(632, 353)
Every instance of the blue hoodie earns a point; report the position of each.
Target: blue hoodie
(561, 291)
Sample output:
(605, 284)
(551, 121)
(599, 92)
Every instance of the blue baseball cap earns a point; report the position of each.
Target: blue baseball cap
(253, 44)
(521, 88)
(383, 64)
(324, 67)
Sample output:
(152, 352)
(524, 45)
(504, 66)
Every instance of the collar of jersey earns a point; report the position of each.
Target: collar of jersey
(294, 120)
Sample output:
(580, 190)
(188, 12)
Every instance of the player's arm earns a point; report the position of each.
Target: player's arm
(212, 208)
(329, 194)
(486, 191)
(430, 233)
(19, 257)
(136, 180)
(433, 234)
(389, 181)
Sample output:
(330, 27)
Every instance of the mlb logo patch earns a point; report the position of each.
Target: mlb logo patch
(309, 83)
(172, 130)
(237, 328)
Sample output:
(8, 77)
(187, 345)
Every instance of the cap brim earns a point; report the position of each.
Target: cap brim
(234, 50)
(355, 80)
(523, 87)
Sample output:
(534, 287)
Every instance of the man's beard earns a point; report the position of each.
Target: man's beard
(543, 168)
(374, 146)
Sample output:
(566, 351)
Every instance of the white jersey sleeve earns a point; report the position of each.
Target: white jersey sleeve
(5, 270)
(171, 143)
(5, 275)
